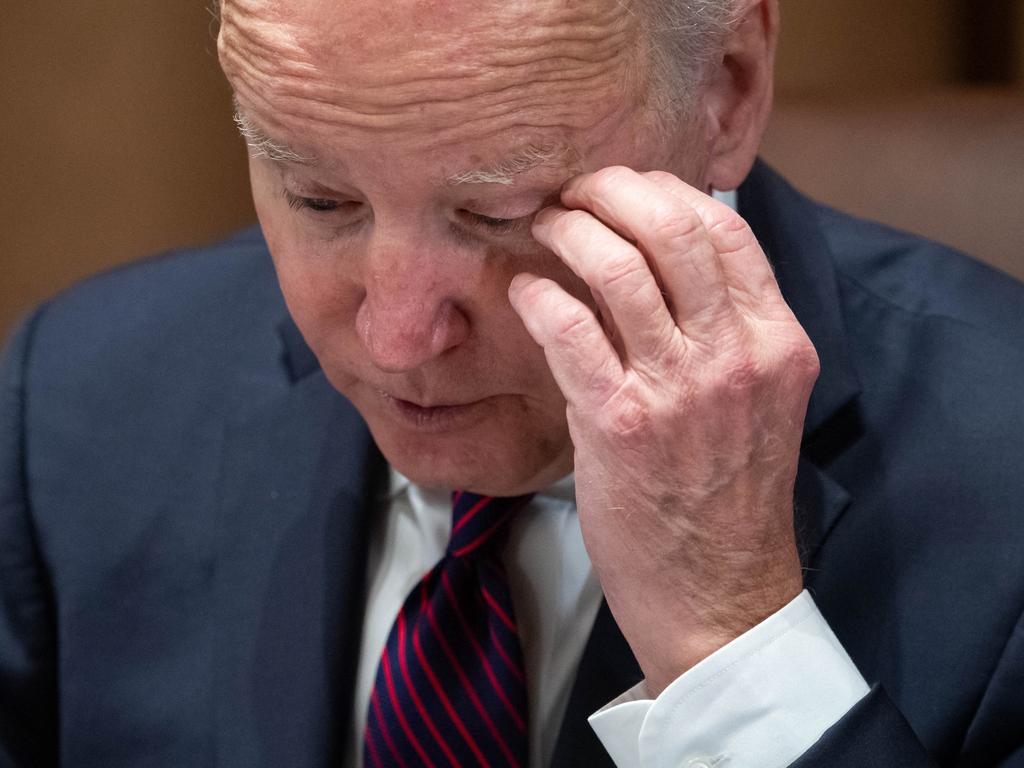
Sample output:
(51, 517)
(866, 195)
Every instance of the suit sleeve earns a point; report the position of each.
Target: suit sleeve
(873, 733)
(28, 678)
(996, 734)
(786, 693)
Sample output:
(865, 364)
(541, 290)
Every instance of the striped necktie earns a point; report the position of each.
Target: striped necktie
(450, 688)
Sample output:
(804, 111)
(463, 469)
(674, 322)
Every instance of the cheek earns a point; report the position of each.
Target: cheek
(322, 302)
(310, 271)
(544, 263)
(502, 329)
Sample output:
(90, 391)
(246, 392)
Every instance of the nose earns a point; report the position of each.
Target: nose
(410, 313)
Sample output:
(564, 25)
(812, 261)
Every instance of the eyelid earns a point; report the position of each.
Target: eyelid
(499, 225)
(315, 204)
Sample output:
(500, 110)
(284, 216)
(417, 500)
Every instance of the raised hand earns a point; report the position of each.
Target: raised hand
(686, 391)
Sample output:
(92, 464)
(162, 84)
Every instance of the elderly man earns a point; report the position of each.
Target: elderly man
(504, 269)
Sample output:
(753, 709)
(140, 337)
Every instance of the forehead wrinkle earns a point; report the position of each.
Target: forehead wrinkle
(443, 87)
(284, 63)
(401, 103)
(567, 105)
(494, 35)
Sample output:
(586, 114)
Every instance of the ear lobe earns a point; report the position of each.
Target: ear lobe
(738, 98)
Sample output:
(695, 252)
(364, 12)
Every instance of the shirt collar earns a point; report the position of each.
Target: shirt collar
(563, 489)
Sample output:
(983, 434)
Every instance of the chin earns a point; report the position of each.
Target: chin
(499, 445)
(510, 464)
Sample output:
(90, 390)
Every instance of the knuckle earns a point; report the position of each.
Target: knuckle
(660, 176)
(743, 376)
(608, 179)
(624, 415)
(803, 360)
(600, 381)
(675, 226)
(575, 326)
(571, 224)
(731, 231)
(621, 268)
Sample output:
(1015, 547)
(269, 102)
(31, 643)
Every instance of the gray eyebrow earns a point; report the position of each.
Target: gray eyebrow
(261, 145)
(558, 155)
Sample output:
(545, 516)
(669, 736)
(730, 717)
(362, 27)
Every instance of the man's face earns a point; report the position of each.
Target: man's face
(422, 137)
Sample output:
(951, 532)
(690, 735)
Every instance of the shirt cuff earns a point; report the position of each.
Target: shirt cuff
(762, 700)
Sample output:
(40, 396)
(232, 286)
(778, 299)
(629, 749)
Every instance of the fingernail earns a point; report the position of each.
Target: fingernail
(543, 220)
(573, 183)
(520, 283)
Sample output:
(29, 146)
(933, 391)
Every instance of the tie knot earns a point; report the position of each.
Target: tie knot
(477, 519)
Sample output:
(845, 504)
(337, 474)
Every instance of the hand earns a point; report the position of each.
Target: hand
(686, 392)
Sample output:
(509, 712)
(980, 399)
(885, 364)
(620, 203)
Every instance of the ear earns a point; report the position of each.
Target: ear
(738, 99)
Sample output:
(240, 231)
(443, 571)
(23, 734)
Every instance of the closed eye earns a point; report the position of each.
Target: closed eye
(318, 204)
(495, 225)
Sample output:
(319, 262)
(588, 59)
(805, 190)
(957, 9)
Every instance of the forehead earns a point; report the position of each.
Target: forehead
(434, 71)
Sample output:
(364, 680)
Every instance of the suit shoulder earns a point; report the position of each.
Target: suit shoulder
(925, 278)
(937, 340)
(199, 288)
(211, 309)
(169, 286)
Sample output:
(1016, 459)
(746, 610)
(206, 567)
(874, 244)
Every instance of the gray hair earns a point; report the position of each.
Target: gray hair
(687, 39)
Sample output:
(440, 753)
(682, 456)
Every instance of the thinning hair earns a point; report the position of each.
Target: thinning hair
(685, 41)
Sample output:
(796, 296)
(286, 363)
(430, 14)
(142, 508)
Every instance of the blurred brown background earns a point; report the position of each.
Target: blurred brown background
(117, 138)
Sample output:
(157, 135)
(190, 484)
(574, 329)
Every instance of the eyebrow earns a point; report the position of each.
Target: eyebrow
(560, 155)
(557, 155)
(261, 145)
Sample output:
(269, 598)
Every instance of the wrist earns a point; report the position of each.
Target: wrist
(692, 636)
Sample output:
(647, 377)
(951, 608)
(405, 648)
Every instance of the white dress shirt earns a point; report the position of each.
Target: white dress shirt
(762, 700)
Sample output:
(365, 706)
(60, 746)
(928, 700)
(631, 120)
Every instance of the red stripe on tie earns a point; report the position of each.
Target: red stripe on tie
(484, 501)
(452, 760)
(384, 730)
(445, 702)
(386, 665)
(512, 666)
(516, 717)
(482, 537)
(498, 609)
(371, 750)
(468, 687)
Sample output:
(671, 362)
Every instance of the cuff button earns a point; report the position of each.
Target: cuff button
(706, 762)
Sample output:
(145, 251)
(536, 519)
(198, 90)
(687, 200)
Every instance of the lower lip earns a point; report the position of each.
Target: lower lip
(439, 418)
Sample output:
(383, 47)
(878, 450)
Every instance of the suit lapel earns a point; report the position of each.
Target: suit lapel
(787, 226)
(298, 473)
(607, 669)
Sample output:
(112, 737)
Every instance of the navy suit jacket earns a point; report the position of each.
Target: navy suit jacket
(184, 505)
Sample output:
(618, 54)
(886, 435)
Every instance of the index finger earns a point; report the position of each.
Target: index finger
(744, 263)
(672, 236)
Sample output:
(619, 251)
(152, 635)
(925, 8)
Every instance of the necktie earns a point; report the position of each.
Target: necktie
(450, 688)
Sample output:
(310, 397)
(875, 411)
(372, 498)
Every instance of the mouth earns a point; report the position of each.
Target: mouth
(433, 418)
